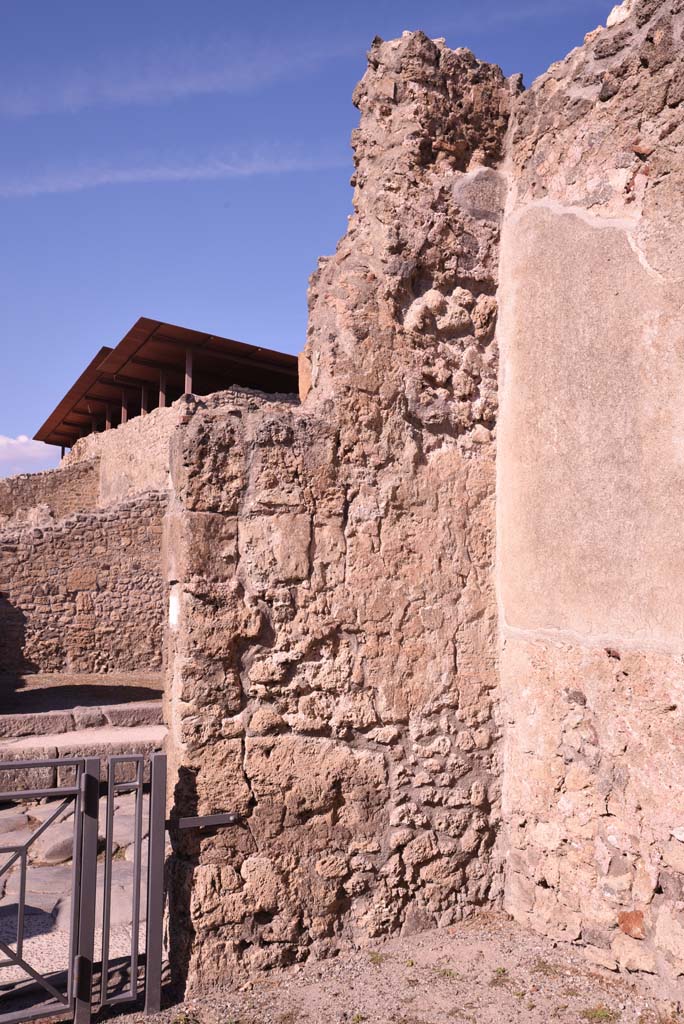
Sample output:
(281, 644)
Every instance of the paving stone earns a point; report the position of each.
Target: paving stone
(55, 845)
(129, 715)
(129, 854)
(122, 873)
(121, 906)
(17, 838)
(13, 807)
(63, 914)
(40, 812)
(14, 822)
(102, 742)
(39, 919)
(35, 903)
(126, 803)
(39, 724)
(55, 880)
(124, 829)
(88, 718)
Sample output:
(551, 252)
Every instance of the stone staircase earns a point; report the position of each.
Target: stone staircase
(68, 715)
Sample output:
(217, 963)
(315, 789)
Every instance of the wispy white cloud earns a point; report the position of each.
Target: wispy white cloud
(173, 72)
(22, 455)
(210, 169)
(162, 73)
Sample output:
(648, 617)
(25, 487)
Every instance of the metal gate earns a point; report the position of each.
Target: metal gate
(78, 799)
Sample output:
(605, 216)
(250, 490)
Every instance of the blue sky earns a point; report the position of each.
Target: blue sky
(189, 162)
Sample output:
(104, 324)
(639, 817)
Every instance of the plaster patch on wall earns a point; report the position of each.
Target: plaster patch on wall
(174, 605)
(590, 418)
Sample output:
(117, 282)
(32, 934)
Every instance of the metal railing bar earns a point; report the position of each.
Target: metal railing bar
(21, 910)
(137, 866)
(48, 762)
(39, 1013)
(32, 838)
(75, 885)
(155, 884)
(123, 997)
(115, 788)
(107, 885)
(205, 821)
(83, 983)
(15, 851)
(38, 794)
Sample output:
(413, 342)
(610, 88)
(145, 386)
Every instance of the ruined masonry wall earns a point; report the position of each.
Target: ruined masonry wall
(425, 629)
(85, 594)
(590, 492)
(133, 458)
(101, 470)
(332, 648)
(60, 492)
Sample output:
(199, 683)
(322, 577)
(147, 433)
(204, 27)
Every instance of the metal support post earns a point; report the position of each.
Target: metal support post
(83, 968)
(155, 885)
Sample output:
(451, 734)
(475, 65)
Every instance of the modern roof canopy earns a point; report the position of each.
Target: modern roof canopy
(154, 364)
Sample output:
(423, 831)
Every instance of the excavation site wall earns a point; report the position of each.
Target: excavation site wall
(333, 641)
(591, 483)
(133, 458)
(81, 582)
(422, 631)
(85, 593)
(57, 493)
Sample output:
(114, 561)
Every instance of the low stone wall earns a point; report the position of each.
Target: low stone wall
(60, 492)
(85, 594)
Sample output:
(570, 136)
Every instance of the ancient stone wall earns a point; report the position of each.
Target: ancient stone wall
(397, 707)
(101, 470)
(57, 493)
(332, 659)
(590, 488)
(133, 458)
(85, 594)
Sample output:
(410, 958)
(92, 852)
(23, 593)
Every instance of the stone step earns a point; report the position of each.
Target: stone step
(47, 723)
(103, 742)
(40, 693)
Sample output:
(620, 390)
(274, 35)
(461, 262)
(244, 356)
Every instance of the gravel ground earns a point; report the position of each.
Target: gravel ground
(486, 971)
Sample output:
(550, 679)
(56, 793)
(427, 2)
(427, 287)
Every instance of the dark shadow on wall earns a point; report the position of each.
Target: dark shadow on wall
(13, 640)
(180, 877)
(25, 697)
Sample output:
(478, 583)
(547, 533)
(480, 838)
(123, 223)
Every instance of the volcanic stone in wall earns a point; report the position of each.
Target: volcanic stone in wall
(332, 655)
(84, 594)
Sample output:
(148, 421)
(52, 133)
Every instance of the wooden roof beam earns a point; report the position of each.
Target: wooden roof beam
(225, 357)
(156, 364)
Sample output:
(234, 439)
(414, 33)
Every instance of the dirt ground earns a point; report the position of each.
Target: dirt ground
(486, 971)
